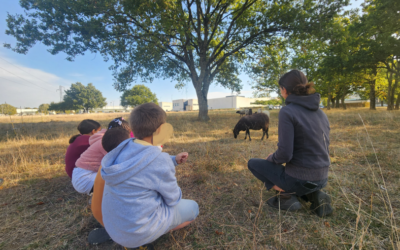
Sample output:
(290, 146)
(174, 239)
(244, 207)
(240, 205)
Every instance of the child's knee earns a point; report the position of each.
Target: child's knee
(193, 207)
(196, 209)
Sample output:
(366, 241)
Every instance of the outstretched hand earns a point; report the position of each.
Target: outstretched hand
(278, 188)
(181, 157)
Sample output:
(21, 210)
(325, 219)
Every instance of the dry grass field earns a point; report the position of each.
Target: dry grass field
(39, 208)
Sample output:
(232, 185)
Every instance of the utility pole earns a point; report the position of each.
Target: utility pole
(61, 93)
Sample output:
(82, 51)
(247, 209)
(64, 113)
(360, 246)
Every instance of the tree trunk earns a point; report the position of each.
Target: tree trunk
(328, 103)
(372, 95)
(333, 102)
(337, 101)
(201, 92)
(397, 102)
(343, 104)
(390, 91)
(394, 88)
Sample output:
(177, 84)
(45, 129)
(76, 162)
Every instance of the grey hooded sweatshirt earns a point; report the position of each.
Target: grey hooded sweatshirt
(303, 138)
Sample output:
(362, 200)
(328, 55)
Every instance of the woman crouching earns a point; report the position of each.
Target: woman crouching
(303, 145)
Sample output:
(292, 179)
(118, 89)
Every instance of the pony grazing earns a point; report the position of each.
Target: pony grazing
(255, 122)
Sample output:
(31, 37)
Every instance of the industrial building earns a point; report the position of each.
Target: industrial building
(228, 102)
(166, 106)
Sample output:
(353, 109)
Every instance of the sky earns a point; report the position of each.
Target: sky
(35, 78)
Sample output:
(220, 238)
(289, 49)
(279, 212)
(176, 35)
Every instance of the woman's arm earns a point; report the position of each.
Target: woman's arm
(284, 153)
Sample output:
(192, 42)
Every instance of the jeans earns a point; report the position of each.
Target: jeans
(274, 174)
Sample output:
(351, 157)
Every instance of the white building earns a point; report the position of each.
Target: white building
(27, 111)
(228, 102)
(166, 106)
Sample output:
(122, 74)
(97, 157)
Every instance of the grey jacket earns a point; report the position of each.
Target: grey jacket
(303, 138)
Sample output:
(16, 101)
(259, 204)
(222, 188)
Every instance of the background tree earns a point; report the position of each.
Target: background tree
(43, 108)
(139, 94)
(79, 96)
(60, 106)
(7, 109)
(188, 40)
(272, 63)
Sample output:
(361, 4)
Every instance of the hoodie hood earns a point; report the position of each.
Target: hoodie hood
(310, 102)
(126, 160)
(97, 136)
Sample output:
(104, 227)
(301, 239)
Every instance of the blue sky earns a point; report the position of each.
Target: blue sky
(32, 79)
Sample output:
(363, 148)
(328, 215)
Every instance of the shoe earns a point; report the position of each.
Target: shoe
(287, 202)
(320, 203)
(98, 236)
(144, 247)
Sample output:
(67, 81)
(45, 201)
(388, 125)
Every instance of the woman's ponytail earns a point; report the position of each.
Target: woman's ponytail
(295, 82)
(307, 89)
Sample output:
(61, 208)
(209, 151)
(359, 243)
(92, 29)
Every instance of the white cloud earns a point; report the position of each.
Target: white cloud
(27, 87)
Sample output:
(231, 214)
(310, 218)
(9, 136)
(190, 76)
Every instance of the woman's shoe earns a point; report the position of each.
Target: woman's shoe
(320, 203)
(284, 202)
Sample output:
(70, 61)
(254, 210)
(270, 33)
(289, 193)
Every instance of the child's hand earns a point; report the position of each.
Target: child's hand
(181, 157)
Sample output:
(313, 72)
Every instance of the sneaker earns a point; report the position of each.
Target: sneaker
(320, 203)
(287, 202)
(98, 236)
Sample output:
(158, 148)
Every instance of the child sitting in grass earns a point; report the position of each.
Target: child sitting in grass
(142, 199)
(111, 139)
(79, 143)
(89, 162)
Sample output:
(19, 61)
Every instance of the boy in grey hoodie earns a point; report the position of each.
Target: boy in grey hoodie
(142, 199)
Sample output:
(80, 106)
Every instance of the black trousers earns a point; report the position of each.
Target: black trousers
(274, 174)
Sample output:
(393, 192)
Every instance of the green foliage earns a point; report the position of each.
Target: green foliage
(269, 102)
(7, 109)
(274, 62)
(84, 97)
(198, 41)
(139, 94)
(43, 108)
(61, 106)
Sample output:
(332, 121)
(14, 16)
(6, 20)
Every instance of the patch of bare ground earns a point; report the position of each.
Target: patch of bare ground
(39, 208)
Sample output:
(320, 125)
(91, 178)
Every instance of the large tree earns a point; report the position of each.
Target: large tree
(186, 40)
(79, 96)
(139, 94)
(8, 109)
(43, 108)
(376, 35)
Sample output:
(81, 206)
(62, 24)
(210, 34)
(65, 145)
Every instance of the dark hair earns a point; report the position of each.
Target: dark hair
(146, 118)
(85, 127)
(113, 137)
(295, 82)
(119, 122)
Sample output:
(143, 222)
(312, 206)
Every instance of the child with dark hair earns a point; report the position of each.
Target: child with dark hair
(88, 163)
(142, 199)
(111, 139)
(79, 143)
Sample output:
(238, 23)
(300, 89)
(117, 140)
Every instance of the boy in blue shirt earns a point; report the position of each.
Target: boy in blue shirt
(142, 199)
